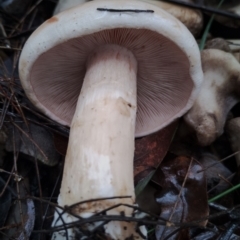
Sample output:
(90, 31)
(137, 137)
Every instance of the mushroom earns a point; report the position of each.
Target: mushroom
(228, 6)
(234, 45)
(219, 93)
(227, 45)
(191, 18)
(218, 43)
(112, 71)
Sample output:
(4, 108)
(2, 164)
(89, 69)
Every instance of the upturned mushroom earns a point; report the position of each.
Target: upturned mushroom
(106, 68)
(218, 94)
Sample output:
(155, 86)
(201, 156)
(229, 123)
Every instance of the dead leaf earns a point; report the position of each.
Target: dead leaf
(183, 198)
(34, 141)
(150, 151)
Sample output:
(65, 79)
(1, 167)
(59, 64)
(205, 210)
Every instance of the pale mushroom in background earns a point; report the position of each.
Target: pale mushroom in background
(218, 43)
(219, 93)
(111, 70)
(226, 45)
(228, 6)
(191, 18)
(234, 45)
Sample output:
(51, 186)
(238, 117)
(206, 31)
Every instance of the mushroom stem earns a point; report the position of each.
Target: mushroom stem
(99, 160)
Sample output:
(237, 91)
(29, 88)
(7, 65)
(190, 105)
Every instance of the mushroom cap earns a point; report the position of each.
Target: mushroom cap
(53, 61)
(191, 18)
(219, 93)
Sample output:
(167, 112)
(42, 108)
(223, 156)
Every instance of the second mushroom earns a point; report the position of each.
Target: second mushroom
(112, 71)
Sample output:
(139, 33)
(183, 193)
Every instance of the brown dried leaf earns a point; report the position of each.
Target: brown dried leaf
(150, 151)
(183, 198)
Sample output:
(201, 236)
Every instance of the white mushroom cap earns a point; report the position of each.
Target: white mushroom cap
(52, 63)
(191, 18)
(218, 95)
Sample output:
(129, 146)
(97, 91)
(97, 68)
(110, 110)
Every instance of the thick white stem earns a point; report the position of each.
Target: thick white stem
(99, 160)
